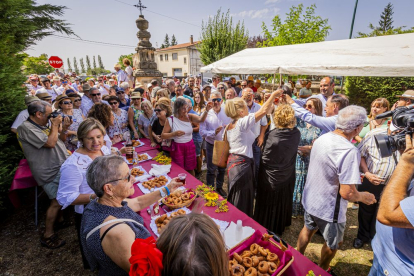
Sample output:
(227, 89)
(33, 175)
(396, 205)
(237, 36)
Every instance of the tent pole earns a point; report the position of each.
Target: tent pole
(274, 81)
(280, 79)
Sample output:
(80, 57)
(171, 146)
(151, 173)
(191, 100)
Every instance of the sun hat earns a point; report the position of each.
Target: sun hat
(58, 100)
(30, 99)
(136, 95)
(43, 96)
(407, 94)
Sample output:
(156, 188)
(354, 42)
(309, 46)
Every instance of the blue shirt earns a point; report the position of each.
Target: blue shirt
(128, 103)
(394, 247)
(321, 97)
(196, 135)
(326, 124)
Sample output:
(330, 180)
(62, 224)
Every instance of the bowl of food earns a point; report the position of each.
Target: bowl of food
(179, 198)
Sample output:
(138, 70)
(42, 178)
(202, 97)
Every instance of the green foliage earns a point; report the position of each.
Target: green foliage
(75, 65)
(82, 65)
(22, 24)
(69, 66)
(94, 62)
(363, 90)
(173, 40)
(101, 66)
(36, 65)
(220, 38)
(166, 43)
(298, 28)
(121, 58)
(88, 64)
(386, 21)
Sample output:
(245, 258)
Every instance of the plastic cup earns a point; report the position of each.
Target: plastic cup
(182, 177)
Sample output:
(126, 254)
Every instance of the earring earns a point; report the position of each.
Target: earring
(111, 197)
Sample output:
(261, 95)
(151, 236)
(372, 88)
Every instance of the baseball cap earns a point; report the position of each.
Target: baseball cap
(407, 94)
(149, 85)
(30, 99)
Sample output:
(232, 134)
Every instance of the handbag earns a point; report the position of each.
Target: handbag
(221, 151)
(169, 144)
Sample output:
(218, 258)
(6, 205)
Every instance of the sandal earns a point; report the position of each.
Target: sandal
(52, 242)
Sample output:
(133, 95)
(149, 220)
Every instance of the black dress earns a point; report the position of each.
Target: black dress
(276, 179)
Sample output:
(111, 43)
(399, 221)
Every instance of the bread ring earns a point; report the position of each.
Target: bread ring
(254, 248)
(232, 262)
(272, 257)
(262, 251)
(161, 219)
(261, 258)
(246, 254)
(251, 272)
(255, 261)
(272, 267)
(238, 258)
(181, 212)
(185, 197)
(237, 270)
(262, 274)
(247, 262)
(263, 267)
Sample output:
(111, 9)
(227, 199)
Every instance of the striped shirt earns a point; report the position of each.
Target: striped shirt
(383, 167)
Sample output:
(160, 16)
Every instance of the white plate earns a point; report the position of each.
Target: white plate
(153, 226)
(142, 144)
(147, 191)
(142, 169)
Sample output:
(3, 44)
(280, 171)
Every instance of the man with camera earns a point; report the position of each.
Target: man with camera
(45, 153)
(394, 242)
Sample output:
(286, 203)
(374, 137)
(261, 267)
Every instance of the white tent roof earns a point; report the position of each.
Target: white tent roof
(391, 56)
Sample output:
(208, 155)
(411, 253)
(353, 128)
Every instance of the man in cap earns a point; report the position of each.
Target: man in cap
(405, 99)
(44, 96)
(121, 75)
(124, 102)
(45, 153)
(24, 114)
(48, 89)
(87, 102)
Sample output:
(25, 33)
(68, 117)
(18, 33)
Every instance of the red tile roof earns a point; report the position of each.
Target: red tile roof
(183, 45)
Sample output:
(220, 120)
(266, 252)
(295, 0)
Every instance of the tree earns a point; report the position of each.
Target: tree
(173, 40)
(82, 65)
(386, 21)
(385, 25)
(121, 58)
(220, 38)
(94, 62)
(75, 65)
(88, 65)
(298, 28)
(69, 66)
(22, 24)
(254, 41)
(100, 63)
(36, 65)
(166, 43)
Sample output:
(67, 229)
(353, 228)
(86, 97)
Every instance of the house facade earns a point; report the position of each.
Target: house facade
(180, 60)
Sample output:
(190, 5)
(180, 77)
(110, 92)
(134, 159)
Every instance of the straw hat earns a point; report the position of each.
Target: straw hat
(29, 99)
(58, 100)
(136, 95)
(407, 94)
(44, 96)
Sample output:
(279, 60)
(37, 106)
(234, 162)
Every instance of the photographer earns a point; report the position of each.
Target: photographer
(393, 245)
(45, 153)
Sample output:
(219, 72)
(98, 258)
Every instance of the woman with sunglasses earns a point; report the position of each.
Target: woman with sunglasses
(162, 111)
(120, 126)
(76, 100)
(65, 106)
(222, 87)
(308, 134)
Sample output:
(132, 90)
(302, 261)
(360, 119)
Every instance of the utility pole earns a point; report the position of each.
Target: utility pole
(353, 19)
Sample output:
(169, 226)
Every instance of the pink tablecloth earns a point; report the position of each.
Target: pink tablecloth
(23, 179)
(300, 266)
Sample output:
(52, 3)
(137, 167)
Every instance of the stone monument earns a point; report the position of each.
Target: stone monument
(144, 59)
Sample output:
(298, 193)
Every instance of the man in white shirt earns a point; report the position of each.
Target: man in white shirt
(331, 182)
(326, 87)
(260, 128)
(121, 75)
(215, 81)
(24, 114)
(103, 88)
(211, 130)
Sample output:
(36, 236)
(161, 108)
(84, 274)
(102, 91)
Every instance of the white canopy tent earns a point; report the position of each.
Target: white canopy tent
(387, 56)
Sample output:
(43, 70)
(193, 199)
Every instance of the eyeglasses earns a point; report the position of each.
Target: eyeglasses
(78, 100)
(126, 178)
(66, 102)
(120, 92)
(220, 88)
(97, 94)
(34, 80)
(216, 100)
(157, 110)
(308, 106)
(100, 80)
(113, 103)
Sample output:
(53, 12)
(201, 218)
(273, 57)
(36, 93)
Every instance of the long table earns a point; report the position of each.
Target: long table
(301, 264)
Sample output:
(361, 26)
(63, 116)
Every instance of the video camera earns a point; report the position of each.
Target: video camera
(403, 119)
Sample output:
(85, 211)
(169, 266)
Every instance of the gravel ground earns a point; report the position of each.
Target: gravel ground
(21, 253)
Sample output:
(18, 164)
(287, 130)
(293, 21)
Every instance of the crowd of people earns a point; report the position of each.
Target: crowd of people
(292, 153)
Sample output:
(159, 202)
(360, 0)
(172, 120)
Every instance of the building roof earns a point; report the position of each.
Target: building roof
(183, 45)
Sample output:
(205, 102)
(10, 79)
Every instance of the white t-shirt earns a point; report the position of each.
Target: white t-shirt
(263, 122)
(23, 115)
(242, 136)
(333, 161)
(183, 126)
(102, 90)
(73, 179)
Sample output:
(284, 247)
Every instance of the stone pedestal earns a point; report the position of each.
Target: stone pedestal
(144, 59)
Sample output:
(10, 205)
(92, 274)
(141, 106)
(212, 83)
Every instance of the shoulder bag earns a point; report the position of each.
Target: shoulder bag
(221, 151)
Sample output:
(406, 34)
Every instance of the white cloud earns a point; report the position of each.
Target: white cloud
(271, 1)
(253, 13)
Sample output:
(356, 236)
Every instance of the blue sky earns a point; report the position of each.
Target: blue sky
(114, 22)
